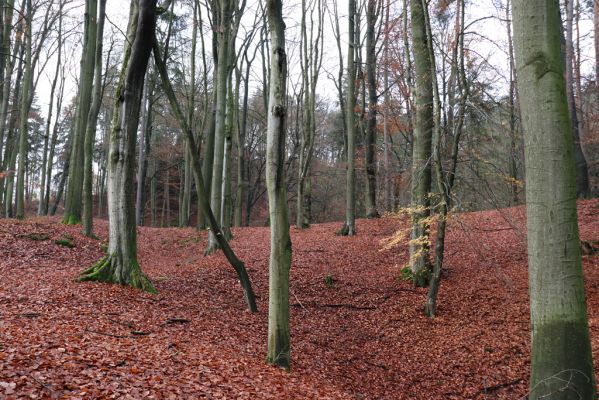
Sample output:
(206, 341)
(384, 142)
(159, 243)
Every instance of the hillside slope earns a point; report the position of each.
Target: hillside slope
(363, 338)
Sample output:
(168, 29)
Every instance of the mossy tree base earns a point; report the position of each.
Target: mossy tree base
(111, 269)
(346, 230)
(71, 219)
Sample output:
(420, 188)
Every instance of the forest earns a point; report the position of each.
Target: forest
(299, 199)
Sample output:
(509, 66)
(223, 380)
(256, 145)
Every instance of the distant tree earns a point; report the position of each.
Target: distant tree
(561, 366)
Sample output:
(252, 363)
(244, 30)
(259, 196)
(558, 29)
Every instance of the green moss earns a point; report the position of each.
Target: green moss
(562, 366)
(63, 241)
(71, 219)
(105, 271)
(329, 280)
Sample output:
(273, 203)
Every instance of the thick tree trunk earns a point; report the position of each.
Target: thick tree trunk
(91, 122)
(421, 155)
(121, 265)
(279, 342)
(371, 128)
(562, 366)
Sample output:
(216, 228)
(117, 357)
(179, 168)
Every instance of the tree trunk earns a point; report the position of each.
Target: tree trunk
(24, 114)
(562, 366)
(280, 241)
(371, 126)
(349, 227)
(144, 151)
(74, 196)
(421, 166)
(91, 122)
(121, 265)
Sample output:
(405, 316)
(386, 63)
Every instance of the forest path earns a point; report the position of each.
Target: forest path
(364, 337)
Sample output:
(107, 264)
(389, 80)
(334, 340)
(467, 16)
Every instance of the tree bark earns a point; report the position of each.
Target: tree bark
(421, 155)
(561, 366)
(279, 342)
(121, 265)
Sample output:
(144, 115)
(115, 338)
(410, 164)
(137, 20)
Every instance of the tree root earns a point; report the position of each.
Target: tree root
(105, 270)
(346, 231)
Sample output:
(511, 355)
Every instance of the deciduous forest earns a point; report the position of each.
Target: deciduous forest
(299, 199)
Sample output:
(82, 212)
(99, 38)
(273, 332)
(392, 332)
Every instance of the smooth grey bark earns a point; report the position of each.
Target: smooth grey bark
(91, 124)
(121, 265)
(561, 365)
(422, 151)
(279, 340)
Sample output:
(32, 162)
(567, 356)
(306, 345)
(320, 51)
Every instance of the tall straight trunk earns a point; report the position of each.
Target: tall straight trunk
(227, 203)
(144, 150)
(49, 143)
(235, 262)
(53, 142)
(91, 123)
(6, 70)
(561, 365)
(166, 199)
(279, 341)
(421, 155)
(121, 265)
(349, 227)
(513, 166)
(371, 126)
(216, 192)
(74, 195)
(596, 36)
(242, 179)
(24, 114)
(582, 171)
(387, 99)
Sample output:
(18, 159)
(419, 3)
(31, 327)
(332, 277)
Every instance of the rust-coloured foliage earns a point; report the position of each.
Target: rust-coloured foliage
(362, 336)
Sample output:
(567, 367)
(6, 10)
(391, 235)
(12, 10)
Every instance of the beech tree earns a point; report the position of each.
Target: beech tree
(561, 366)
(279, 342)
(421, 155)
(120, 264)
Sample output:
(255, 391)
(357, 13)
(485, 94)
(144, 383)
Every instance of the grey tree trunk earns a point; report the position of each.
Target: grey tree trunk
(582, 171)
(422, 151)
(561, 366)
(74, 195)
(349, 227)
(144, 151)
(91, 123)
(372, 13)
(236, 263)
(24, 113)
(121, 265)
(279, 342)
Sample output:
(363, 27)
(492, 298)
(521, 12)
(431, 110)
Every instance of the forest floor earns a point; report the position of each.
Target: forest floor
(365, 337)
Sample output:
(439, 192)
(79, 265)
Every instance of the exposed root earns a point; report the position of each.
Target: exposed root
(213, 246)
(346, 230)
(105, 270)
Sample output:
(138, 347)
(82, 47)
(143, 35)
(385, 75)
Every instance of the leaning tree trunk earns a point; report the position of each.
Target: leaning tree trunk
(121, 265)
(561, 366)
(90, 130)
(349, 226)
(421, 155)
(280, 242)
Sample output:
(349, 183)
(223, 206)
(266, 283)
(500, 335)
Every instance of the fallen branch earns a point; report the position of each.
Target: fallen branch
(171, 321)
(107, 334)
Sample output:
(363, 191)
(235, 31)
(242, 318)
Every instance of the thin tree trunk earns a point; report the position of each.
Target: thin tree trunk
(279, 341)
(91, 123)
(421, 156)
(144, 151)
